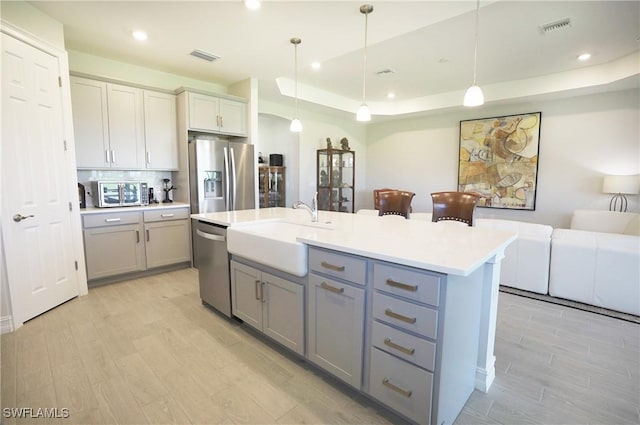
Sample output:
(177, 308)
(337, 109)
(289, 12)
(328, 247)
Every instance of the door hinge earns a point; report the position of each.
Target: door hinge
(59, 81)
(76, 263)
(70, 206)
(64, 143)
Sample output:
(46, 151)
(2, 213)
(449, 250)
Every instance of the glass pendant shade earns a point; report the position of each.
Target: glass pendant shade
(363, 113)
(473, 96)
(296, 126)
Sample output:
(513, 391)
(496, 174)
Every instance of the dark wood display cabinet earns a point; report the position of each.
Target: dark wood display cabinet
(335, 179)
(271, 186)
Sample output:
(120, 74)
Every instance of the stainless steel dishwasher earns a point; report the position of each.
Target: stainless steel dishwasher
(213, 266)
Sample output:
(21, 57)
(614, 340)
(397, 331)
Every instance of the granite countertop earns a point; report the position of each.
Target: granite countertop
(445, 247)
(96, 210)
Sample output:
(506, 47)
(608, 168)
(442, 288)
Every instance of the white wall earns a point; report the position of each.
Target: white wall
(32, 22)
(581, 139)
(316, 127)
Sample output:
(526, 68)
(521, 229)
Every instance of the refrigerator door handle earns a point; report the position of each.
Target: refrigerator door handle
(227, 200)
(234, 176)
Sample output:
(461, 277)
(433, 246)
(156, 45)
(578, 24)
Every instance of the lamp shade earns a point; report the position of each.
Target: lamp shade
(473, 96)
(296, 126)
(363, 113)
(629, 185)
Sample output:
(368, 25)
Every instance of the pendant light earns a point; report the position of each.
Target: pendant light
(296, 125)
(474, 96)
(363, 113)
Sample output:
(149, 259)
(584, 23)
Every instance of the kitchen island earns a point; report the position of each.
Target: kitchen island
(403, 310)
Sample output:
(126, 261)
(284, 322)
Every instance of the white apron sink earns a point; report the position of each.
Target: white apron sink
(274, 243)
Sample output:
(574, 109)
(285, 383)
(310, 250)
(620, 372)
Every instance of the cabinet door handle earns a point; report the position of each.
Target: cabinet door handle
(262, 292)
(391, 313)
(408, 351)
(221, 122)
(412, 288)
(325, 285)
(148, 158)
(113, 156)
(402, 391)
(112, 220)
(332, 266)
(147, 235)
(256, 283)
(107, 158)
(137, 236)
(166, 215)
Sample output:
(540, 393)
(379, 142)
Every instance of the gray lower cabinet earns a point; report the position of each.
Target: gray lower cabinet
(336, 308)
(269, 303)
(167, 237)
(117, 243)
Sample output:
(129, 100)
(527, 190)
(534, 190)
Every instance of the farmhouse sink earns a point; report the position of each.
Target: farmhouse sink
(273, 243)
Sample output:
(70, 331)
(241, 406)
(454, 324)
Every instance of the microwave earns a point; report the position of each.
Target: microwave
(120, 193)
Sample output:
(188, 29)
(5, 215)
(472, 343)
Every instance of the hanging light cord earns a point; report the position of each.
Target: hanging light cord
(364, 69)
(295, 60)
(475, 53)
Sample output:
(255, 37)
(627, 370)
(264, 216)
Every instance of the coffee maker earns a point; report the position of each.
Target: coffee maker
(167, 190)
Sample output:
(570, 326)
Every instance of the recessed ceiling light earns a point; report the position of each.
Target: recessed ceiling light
(391, 95)
(139, 35)
(584, 57)
(252, 4)
(316, 65)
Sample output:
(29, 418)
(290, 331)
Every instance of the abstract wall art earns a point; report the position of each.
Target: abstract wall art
(499, 160)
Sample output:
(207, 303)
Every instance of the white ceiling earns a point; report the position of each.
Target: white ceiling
(429, 45)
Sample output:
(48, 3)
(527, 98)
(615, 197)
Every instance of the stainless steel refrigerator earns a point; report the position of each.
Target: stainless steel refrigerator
(221, 175)
(221, 178)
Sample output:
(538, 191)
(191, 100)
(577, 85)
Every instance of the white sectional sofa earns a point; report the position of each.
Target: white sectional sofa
(526, 262)
(597, 260)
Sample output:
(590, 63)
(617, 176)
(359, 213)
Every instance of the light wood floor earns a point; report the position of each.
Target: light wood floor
(147, 351)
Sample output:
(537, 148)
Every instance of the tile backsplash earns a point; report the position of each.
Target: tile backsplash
(152, 178)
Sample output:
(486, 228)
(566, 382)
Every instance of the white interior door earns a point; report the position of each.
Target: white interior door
(36, 217)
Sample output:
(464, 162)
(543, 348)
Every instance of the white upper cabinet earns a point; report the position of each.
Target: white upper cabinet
(160, 130)
(126, 127)
(122, 127)
(217, 115)
(90, 122)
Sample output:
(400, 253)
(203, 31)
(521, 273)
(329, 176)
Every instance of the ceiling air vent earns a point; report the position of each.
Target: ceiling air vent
(555, 26)
(204, 55)
(387, 71)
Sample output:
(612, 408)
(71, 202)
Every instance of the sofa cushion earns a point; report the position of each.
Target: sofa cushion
(601, 269)
(602, 221)
(633, 228)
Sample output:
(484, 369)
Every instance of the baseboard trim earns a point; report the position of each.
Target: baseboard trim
(6, 324)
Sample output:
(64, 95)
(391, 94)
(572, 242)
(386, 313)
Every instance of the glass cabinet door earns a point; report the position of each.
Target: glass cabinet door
(335, 179)
(271, 186)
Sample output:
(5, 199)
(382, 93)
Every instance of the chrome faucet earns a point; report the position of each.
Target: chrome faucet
(313, 210)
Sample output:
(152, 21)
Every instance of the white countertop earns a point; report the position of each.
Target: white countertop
(96, 210)
(445, 247)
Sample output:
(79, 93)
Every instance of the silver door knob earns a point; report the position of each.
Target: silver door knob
(19, 217)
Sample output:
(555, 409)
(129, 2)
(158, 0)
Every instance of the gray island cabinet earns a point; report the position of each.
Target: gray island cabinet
(405, 314)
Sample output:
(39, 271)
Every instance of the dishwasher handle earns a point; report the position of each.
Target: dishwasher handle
(211, 237)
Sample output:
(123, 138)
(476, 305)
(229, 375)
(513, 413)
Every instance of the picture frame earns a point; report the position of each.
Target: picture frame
(498, 160)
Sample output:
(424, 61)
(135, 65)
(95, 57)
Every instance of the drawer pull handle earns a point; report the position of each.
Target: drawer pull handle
(137, 236)
(332, 266)
(166, 215)
(325, 285)
(390, 313)
(406, 393)
(112, 220)
(407, 351)
(147, 235)
(399, 285)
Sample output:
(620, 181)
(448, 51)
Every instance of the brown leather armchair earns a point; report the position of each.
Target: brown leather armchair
(457, 206)
(395, 202)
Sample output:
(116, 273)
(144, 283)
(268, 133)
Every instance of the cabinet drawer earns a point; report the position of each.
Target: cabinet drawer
(111, 219)
(401, 386)
(411, 348)
(346, 267)
(416, 318)
(407, 283)
(167, 214)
